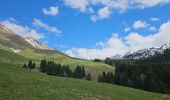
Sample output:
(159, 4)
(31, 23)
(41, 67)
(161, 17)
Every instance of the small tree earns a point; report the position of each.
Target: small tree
(78, 72)
(25, 66)
(104, 77)
(99, 78)
(33, 66)
(83, 73)
(43, 66)
(88, 77)
(30, 64)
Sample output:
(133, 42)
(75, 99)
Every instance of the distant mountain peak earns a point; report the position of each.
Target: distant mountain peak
(140, 54)
(116, 56)
(36, 44)
(145, 53)
(165, 46)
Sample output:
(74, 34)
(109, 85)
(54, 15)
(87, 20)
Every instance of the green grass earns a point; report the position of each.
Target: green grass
(59, 57)
(94, 68)
(11, 40)
(10, 57)
(20, 58)
(17, 83)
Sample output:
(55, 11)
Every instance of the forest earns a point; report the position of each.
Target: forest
(150, 74)
(51, 68)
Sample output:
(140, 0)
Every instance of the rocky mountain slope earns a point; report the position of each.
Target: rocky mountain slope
(140, 54)
(37, 44)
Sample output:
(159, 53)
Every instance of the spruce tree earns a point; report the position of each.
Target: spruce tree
(99, 78)
(88, 77)
(83, 73)
(33, 66)
(30, 64)
(25, 66)
(103, 78)
(78, 73)
(43, 66)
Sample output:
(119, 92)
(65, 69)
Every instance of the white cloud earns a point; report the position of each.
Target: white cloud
(102, 14)
(23, 31)
(152, 28)
(53, 11)
(149, 3)
(121, 45)
(77, 4)
(154, 19)
(111, 5)
(39, 23)
(127, 29)
(140, 24)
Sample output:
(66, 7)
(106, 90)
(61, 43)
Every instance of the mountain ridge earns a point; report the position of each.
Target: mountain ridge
(141, 54)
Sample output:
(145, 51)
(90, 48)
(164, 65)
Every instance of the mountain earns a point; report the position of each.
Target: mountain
(145, 53)
(11, 40)
(37, 44)
(117, 56)
(140, 54)
(16, 49)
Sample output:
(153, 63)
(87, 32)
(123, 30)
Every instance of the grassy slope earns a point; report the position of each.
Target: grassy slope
(94, 68)
(8, 39)
(37, 55)
(59, 57)
(10, 57)
(17, 83)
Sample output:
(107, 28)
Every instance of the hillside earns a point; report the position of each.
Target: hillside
(17, 83)
(22, 50)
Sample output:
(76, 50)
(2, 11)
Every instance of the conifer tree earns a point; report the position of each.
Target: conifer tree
(83, 72)
(30, 64)
(88, 77)
(25, 66)
(43, 66)
(99, 78)
(33, 66)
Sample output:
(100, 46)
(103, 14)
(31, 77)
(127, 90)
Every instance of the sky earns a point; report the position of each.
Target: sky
(90, 29)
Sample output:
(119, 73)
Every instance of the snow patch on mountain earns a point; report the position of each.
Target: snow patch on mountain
(37, 44)
(145, 53)
(15, 50)
(129, 52)
(140, 54)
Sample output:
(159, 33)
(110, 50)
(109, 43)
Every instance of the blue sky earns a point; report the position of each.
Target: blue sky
(90, 28)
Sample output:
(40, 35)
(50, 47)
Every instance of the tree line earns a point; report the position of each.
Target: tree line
(108, 61)
(150, 74)
(30, 65)
(51, 68)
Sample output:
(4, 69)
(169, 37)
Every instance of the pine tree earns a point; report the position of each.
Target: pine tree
(33, 66)
(67, 71)
(43, 66)
(77, 72)
(99, 78)
(25, 66)
(112, 77)
(30, 64)
(103, 78)
(83, 72)
(88, 77)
